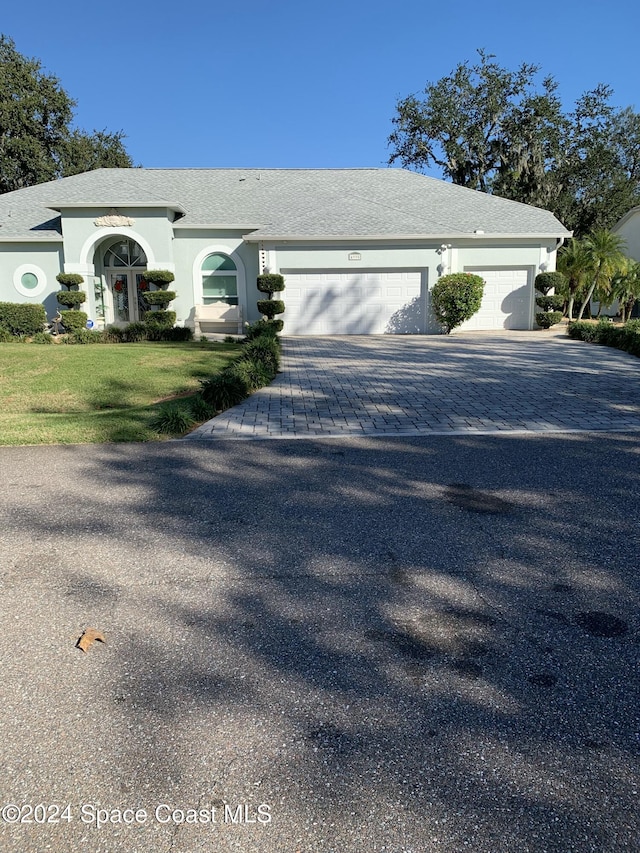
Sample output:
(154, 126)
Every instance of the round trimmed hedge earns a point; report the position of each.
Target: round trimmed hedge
(455, 298)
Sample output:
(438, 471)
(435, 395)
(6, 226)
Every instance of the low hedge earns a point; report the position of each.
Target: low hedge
(22, 318)
(625, 337)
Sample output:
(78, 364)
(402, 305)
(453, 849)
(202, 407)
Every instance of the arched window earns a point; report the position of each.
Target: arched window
(124, 253)
(219, 279)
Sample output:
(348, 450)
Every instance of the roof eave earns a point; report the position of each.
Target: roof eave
(74, 205)
(458, 235)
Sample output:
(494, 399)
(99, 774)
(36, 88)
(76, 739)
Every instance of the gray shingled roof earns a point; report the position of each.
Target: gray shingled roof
(282, 203)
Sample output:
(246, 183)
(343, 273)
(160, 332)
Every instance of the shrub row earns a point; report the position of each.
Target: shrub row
(22, 319)
(255, 368)
(625, 337)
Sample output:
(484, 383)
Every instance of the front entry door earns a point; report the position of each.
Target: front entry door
(126, 296)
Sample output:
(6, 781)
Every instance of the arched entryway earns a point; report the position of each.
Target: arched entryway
(124, 264)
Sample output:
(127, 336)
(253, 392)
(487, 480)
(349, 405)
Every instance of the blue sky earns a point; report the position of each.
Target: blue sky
(295, 84)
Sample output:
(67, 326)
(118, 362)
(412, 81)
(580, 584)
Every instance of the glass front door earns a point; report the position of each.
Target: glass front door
(126, 290)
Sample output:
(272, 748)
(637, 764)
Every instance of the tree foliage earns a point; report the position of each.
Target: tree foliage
(37, 142)
(506, 132)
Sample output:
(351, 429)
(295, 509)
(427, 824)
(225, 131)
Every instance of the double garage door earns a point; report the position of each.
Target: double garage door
(353, 303)
(393, 302)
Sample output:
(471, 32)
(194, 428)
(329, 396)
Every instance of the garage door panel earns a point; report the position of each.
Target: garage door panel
(506, 302)
(342, 303)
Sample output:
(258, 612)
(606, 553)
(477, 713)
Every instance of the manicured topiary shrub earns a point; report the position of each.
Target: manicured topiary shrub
(161, 278)
(546, 281)
(73, 321)
(270, 307)
(70, 298)
(551, 305)
(546, 319)
(22, 319)
(159, 298)
(456, 298)
(270, 283)
(69, 279)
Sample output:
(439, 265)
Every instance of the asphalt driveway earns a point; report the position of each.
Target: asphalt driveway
(378, 642)
(428, 385)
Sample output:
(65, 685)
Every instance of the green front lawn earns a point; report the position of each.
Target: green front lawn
(61, 394)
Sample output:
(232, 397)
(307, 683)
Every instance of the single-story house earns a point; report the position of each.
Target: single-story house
(360, 249)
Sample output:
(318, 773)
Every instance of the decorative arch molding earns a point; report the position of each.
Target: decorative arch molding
(240, 271)
(88, 249)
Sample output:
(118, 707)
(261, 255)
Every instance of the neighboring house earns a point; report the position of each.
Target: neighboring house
(360, 249)
(629, 229)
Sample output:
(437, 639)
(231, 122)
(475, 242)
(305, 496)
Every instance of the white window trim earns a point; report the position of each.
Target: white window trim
(39, 273)
(197, 273)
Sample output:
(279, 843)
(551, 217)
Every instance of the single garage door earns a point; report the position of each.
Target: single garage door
(506, 302)
(353, 303)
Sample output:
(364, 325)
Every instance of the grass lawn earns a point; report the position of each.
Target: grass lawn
(78, 394)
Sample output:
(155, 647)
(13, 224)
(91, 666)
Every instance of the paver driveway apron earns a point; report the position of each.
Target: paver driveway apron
(466, 383)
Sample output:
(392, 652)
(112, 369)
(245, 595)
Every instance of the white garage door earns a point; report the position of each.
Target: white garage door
(506, 302)
(353, 303)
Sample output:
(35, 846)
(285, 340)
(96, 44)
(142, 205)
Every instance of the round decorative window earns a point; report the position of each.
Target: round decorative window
(29, 280)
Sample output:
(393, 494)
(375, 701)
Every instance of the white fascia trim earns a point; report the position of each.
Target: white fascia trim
(31, 240)
(349, 238)
(74, 205)
(217, 226)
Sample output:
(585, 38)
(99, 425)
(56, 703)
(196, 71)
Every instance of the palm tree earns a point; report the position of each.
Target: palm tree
(574, 263)
(625, 287)
(605, 256)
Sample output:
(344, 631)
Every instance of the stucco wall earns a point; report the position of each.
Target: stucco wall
(46, 256)
(189, 249)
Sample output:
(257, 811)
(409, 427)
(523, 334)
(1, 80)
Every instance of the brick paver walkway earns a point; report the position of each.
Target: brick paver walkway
(401, 385)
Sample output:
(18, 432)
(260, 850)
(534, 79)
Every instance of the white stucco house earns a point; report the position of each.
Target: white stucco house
(629, 229)
(360, 249)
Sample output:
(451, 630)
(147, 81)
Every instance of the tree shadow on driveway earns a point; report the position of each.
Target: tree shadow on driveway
(389, 641)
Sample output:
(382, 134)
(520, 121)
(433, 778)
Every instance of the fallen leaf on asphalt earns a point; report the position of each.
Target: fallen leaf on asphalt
(89, 637)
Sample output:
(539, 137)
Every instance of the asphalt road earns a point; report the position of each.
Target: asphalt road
(336, 646)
